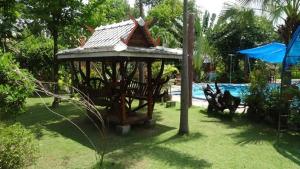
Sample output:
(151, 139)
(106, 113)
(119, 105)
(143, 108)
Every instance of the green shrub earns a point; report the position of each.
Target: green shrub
(265, 102)
(256, 100)
(169, 70)
(17, 147)
(15, 86)
(294, 118)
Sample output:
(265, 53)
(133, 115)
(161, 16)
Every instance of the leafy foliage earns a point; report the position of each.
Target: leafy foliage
(111, 11)
(167, 17)
(264, 101)
(10, 25)
(167, 38)
(15, 86)
(288, 11)
(35, 54)
(17, 147)
(169, 70)
(237, 29)
(53, 15)
(294, 118)
(258, 92)
(203, 48)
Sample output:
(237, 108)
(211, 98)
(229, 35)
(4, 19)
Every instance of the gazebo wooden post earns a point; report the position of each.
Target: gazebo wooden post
(122, 94)
(114, 76)
(150, 90)
(88, 72)
(114, 72)
(87, 80)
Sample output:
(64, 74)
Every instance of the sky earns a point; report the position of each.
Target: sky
(213, 6)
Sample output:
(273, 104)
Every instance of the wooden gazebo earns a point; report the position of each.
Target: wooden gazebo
(104, 68)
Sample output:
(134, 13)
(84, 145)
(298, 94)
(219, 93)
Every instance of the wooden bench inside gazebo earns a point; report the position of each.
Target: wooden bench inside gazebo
(105, 70)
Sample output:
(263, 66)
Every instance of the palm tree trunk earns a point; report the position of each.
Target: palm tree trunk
(184, 106)
(191, 40)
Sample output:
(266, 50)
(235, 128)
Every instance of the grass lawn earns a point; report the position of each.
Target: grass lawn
(214, 142)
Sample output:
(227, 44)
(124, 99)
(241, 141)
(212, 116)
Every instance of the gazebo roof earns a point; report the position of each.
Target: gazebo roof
(125, 39)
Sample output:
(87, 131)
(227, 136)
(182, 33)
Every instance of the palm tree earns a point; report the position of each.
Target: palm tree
(288, 10)
(184, 103)
(202, 46)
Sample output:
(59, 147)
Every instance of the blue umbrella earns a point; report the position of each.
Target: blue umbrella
(271, 53)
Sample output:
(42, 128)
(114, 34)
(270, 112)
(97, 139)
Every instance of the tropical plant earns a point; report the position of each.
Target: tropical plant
(236, 29)
(203, 48)
(167, 38)
(258, 94)
(168, 72)
(288, 11)
(265, 101)
(167, 17)
(14, 88)
(294, 118)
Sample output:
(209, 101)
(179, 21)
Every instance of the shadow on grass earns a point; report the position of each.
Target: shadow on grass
(179, 139)
(38, 118)
(289, 146)
(225, 118)
(250, 133)
(254, 133)
(133, 155)
(166, 155)
(127, 150)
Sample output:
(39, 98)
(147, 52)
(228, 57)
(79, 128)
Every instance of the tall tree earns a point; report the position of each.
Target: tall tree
(288, 10)
(236, 29)
(97, 13)
(10, 23)
(203, 27)
(54, 16)
(167, 17)
(184, 102)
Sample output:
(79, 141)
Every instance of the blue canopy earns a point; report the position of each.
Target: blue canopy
(272, 53)
(293, 50)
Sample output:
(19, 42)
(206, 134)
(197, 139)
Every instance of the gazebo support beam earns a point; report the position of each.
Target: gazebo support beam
(88, 72)
(122, 94)
(150, 90)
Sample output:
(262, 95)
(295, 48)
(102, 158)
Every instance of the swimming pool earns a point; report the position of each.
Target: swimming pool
(238, 90)
(235, 89)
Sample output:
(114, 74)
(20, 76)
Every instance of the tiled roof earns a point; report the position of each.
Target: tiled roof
(111, 35)
(110, 41)
(130, 52)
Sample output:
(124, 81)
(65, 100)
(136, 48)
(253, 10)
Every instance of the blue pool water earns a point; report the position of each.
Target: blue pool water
(239, 90)
(235, 89)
